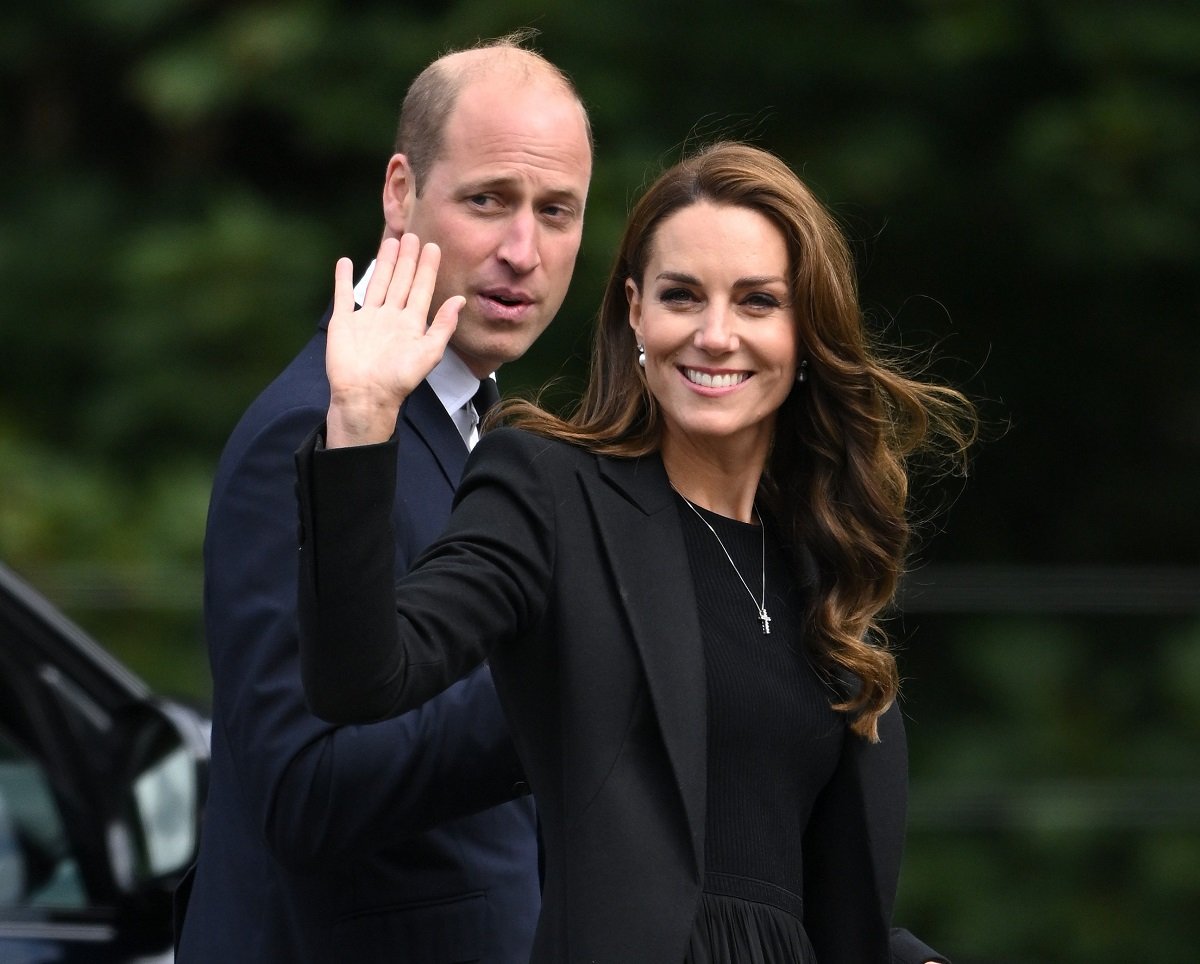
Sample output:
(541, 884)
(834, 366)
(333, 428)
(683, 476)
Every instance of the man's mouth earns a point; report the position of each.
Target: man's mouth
(509, 299)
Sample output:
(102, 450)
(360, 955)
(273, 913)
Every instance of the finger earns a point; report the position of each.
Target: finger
(381, 277)
(445, 321)
(343, 287)
(402, 274)
(421, 295)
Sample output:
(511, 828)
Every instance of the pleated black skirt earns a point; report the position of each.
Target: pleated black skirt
(731, 930)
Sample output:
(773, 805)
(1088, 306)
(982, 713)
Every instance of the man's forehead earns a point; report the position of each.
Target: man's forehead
(497, 135)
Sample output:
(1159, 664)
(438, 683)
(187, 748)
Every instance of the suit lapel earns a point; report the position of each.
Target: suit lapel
(641, 535)
(423, 412)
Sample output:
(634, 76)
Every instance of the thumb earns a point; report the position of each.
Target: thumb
(446, 320)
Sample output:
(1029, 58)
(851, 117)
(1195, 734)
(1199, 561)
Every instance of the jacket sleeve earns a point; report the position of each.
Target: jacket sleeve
(319, 793)
(908, 949)
(372, 648)
(858, 821)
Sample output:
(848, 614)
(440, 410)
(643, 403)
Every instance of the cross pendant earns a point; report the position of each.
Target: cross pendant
(765, 620)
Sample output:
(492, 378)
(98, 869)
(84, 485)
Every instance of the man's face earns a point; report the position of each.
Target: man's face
(504, 202)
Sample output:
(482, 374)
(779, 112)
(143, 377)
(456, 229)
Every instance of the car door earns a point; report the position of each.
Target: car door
(101, 784)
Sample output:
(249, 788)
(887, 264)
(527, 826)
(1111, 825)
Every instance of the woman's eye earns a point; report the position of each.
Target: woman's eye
(761, 300)
(676, 296)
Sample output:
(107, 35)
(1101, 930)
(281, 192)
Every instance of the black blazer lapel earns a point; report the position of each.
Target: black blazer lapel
(640, 533)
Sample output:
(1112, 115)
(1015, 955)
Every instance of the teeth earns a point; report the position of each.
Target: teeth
(705, 380)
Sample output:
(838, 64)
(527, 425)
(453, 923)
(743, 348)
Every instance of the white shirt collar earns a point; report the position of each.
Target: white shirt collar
(451, 380)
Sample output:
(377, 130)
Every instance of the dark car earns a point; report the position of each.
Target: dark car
(101, 787)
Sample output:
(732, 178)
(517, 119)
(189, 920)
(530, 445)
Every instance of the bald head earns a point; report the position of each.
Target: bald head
(431, 99)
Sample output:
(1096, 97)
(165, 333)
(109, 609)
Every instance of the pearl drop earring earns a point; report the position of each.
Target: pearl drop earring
(641, 350)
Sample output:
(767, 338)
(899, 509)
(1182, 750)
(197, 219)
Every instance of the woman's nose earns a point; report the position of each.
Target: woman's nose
(715, 334)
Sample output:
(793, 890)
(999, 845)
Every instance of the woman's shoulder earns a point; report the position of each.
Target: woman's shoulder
(517, 452)
(523, 460)
(510, 442)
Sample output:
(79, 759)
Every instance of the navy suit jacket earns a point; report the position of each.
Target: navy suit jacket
(411, 840)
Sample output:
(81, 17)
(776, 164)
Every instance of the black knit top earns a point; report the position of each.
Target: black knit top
(773, 740)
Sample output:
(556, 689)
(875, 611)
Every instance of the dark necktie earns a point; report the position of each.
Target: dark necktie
(485, 397)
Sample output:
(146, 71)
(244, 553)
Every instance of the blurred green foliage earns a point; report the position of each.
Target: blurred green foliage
(1055, 786)
(1021, 184)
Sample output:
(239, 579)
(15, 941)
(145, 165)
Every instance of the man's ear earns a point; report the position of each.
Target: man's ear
(399, 192)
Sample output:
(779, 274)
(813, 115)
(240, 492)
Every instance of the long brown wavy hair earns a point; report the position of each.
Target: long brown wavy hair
(836, 478)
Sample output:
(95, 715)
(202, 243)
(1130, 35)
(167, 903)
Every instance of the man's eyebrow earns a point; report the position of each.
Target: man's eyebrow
(504, 181)
(563, 194)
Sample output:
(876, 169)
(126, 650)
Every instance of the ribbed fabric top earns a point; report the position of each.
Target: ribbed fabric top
(773, 740)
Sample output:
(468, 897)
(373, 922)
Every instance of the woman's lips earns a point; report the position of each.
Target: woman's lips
(703, 378)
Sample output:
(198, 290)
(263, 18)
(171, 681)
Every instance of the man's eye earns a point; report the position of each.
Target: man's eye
(481, 200)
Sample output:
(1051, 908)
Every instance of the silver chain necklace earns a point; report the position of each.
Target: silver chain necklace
(763, 617)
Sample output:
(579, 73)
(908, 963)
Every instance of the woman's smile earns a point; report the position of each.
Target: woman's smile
(713, 312)
(705, 378)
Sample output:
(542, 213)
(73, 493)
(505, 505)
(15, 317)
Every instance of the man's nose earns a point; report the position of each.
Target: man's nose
(519, 246)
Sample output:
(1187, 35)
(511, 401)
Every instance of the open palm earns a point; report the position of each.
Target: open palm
(376, 356)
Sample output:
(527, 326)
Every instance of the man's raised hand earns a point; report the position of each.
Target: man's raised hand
(377, 356)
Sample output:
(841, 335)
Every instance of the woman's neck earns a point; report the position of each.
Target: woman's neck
(724, 482)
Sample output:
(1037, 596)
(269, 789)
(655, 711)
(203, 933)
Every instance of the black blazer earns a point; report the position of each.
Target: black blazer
(394, 842)
(569, 571)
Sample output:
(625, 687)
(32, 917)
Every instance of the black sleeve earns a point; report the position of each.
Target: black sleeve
(858, 822)
(371, 648)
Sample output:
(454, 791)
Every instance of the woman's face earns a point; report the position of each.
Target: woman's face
(714, 312)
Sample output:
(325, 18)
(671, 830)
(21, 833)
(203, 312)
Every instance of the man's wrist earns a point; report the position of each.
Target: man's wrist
(359, 423)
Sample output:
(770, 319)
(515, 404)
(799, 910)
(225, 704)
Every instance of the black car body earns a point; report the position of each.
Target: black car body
(101, 791)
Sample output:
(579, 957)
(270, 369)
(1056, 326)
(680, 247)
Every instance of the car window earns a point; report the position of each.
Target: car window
(37, 865)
